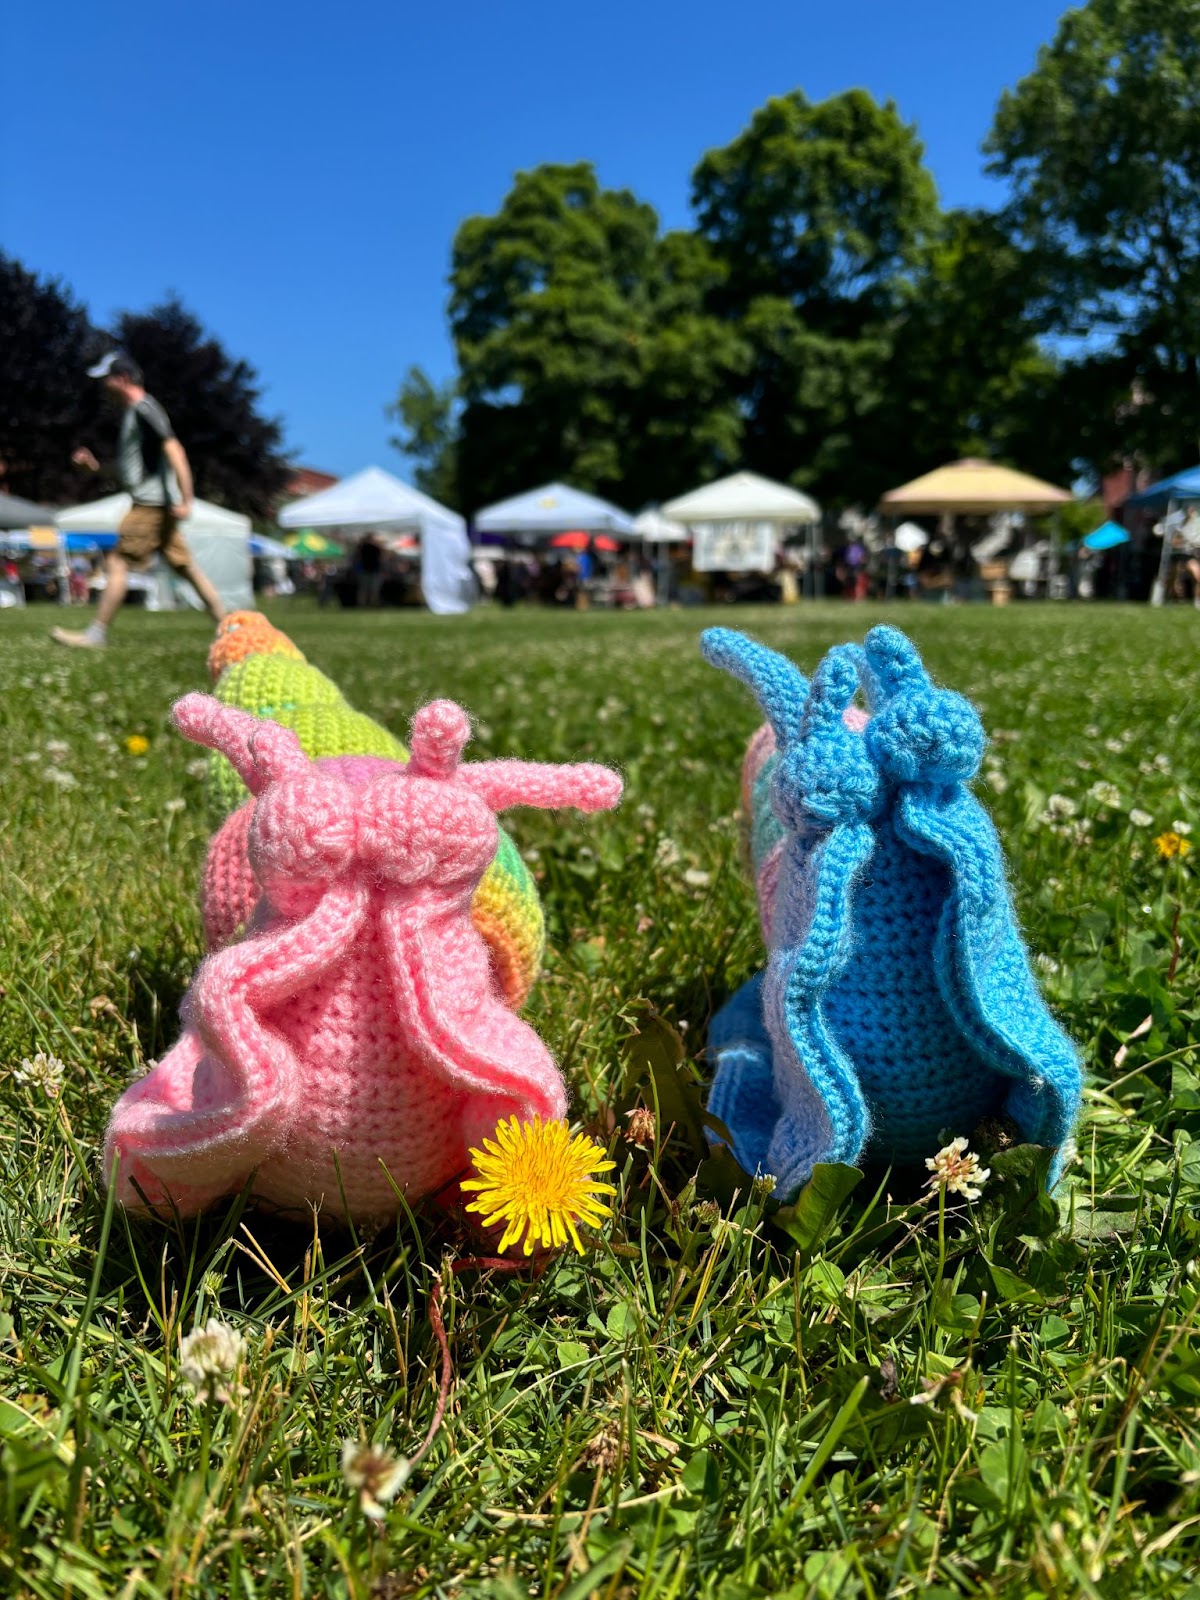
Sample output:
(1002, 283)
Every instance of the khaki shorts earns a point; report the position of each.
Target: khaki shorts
(145, 530)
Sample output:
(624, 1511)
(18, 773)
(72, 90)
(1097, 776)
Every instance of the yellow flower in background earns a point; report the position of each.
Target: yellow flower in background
(538, 1181)
(137, 744)
(1171, 844)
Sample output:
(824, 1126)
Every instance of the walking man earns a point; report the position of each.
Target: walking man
(154, 469)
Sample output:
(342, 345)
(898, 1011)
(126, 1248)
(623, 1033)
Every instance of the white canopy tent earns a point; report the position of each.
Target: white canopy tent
(653, 528)
(373, 499)
(554, 508)
(736, 521)
(219, 540)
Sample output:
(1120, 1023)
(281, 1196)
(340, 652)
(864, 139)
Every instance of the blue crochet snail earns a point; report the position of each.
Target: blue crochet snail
(897, 1006)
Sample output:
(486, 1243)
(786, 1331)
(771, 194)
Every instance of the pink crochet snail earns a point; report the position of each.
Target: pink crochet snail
(354, 1042)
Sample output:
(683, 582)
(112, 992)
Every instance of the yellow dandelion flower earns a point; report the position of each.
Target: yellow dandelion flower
(137, 744)
(538, 1181)
(1172, 844)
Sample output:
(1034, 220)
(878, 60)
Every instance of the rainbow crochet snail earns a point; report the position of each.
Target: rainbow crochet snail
(353, 1044)
(898, 1004)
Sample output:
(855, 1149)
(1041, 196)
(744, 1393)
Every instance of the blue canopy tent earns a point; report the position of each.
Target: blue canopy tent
(264, 549)
(1168, 492)
(1106, 537)
(1180, 486)
(554, 508)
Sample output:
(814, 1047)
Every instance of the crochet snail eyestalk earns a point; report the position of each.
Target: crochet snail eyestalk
(353, 1041)
(259, 670)
(898, 1001)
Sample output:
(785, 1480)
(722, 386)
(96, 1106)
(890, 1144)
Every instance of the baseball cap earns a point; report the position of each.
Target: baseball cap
(114, 359)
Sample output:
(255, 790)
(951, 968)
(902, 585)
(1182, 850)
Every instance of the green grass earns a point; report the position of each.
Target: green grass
(697, 1407)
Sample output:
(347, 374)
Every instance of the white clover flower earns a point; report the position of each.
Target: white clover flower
(209, 1358)
(1140, 819)
(1105, 794)
(1114, 746)
(375, 1473)
(197, 769)
(175, 805)
(957, 1170)
(1181, 827)
(57, 748)
(1047, 964)
(696, 878)
(667, 852)
(997, 780)
(41, 1071)
(58, 775)
(1060, 805)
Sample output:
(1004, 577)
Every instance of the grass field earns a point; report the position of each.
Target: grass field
(697, 1407)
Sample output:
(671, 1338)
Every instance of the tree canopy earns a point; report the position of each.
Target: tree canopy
(586, 350)
(47, 402)
(824, 323)
(1101, 145)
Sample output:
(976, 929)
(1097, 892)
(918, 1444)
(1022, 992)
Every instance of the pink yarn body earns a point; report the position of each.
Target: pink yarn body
(354, 1042)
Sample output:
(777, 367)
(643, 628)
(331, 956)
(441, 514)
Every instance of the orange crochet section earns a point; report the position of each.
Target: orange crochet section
(247, 633)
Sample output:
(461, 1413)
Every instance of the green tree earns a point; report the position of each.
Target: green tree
(967, 374)
(427, 414)
(213, 400)
(586, 350)
(817, 215)
(1101, 143)
(548, 302)
(48, 404)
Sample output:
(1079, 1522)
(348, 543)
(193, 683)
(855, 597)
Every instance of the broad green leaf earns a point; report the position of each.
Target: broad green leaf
(1011, 1286)
(809, 1221)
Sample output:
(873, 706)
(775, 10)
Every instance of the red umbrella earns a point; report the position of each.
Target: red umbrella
(569, 541)
(603, 542)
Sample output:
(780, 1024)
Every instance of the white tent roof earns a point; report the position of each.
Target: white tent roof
(104, 516)
(654, 528)
(372, 498)
(554, 508)
(744, 497)
(910, 536)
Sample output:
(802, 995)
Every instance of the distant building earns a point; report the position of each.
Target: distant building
(307, 480)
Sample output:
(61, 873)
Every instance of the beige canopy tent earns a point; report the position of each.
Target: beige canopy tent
(973, 488)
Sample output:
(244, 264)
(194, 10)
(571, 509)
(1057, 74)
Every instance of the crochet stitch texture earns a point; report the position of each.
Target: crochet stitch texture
(261, 671)
(897, 1003)
(353, 1044)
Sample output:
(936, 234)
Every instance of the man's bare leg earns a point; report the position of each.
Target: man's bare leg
(95, 635)
(212, 600)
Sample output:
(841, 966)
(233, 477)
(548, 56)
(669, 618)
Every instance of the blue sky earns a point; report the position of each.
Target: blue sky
(297, 172)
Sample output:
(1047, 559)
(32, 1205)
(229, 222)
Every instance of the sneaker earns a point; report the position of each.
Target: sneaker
(81, 640)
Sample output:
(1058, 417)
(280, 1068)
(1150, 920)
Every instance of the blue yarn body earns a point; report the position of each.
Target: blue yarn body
(897, 1005)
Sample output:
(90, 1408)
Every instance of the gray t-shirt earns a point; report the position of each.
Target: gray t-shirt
(142, 464)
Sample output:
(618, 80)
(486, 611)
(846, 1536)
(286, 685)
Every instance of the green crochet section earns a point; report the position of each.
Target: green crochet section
(300, 697)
